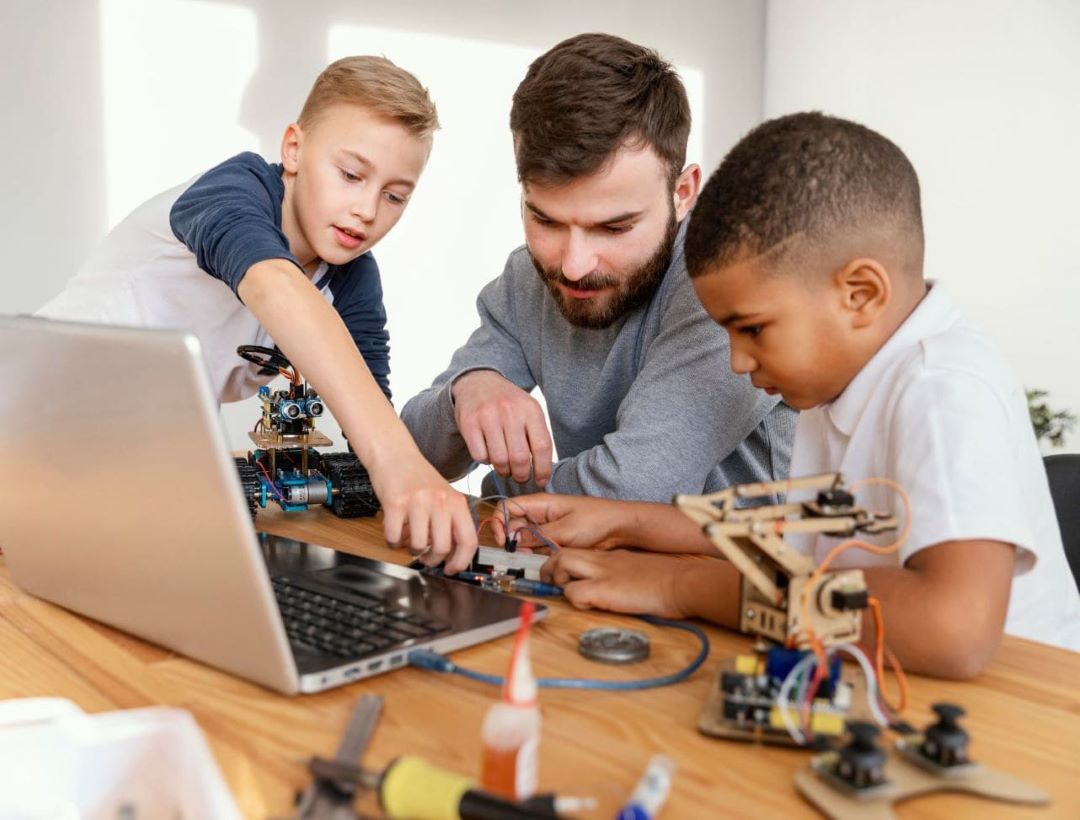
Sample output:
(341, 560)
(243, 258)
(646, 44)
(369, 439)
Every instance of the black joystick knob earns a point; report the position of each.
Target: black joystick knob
(945, 742)
(862, 761)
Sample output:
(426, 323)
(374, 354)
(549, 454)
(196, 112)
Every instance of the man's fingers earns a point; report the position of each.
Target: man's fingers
(540, 446)
(473, 437)
(495, 443)
(518, 454)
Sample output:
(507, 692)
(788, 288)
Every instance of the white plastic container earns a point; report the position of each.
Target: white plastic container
(57, 762)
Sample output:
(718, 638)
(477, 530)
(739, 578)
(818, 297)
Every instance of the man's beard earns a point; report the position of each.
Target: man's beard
(631, 292)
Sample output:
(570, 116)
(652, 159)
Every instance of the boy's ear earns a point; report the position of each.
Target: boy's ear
(687, 188)
(290, 147)
(865, 289)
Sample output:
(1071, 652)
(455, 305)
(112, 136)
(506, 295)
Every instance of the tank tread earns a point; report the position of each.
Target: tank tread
(250, 484)
(354, 496)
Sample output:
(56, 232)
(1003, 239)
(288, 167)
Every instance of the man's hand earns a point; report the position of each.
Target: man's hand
(503, 426)
(568, 520)
(620, 581)
(418, 505)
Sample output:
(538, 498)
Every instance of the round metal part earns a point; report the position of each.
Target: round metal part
(317, 491)
(315, 408)
(614, 645)
(313, 492)
(289, 409)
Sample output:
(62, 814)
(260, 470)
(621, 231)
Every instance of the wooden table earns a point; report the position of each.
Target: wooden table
(1023, 712)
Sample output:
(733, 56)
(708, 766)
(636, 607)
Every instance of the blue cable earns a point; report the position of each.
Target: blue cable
(527, 586)
(500, 488)
(427, 659)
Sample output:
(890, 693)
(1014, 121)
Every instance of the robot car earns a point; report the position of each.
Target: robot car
(285, 467)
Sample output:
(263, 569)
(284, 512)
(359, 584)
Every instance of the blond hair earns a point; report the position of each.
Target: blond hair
(377, 84)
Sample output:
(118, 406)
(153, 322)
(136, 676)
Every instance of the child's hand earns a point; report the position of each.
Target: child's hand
(503, 426)
(568, 520)
(423, 511)
(621, 581)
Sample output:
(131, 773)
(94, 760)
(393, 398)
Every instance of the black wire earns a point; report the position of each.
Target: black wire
(269, 359)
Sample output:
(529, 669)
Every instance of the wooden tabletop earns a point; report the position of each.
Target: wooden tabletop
(1023, 712)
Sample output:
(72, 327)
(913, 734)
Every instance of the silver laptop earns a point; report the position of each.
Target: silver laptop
(122, 503)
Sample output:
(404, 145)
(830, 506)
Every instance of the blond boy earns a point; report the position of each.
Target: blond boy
(258, 253)
(807, 245)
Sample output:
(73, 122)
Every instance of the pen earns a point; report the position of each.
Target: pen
(651, 791)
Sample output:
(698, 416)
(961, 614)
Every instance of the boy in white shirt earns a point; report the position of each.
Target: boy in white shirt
(807, 245)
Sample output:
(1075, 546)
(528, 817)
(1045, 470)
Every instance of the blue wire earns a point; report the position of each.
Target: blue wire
(499, 484)
(427, 659)
(527, 586)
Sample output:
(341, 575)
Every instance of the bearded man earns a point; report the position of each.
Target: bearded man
(596, 309)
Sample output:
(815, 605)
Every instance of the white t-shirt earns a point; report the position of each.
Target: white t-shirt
(938, 411)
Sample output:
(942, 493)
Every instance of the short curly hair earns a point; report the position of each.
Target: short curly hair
(587, 97)
(805, 174)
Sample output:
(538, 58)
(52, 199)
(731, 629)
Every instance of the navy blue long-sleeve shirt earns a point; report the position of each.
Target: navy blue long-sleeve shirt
(174, 260)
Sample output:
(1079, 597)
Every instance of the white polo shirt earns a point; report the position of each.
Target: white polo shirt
(938, 411)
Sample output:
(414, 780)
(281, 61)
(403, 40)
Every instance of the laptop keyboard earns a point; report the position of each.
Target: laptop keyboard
(346, 628)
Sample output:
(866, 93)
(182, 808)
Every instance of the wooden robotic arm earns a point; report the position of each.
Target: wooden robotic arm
(782, 589)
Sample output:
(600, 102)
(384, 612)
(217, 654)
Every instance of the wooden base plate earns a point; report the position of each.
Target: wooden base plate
(272, 441)
(908, 779)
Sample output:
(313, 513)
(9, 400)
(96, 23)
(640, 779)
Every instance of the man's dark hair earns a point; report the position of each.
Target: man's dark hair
(587, 97)
(807, 174)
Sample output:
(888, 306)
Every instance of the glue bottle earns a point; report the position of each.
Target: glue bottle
(511, 728)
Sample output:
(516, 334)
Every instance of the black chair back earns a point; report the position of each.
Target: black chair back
(1064, 474)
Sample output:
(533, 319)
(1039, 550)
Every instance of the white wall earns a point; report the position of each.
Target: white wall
(984, 97)
(106, 102)
(109, 102)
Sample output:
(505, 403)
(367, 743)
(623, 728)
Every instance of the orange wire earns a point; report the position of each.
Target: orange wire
(482, 524)
(879, 660)
(819, 675)
(815, 576)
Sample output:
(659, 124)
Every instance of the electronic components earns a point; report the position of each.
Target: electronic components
(805, 612)
(502, 571)
(747, 702)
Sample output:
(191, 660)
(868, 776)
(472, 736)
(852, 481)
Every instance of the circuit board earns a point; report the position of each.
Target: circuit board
(743, 702)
